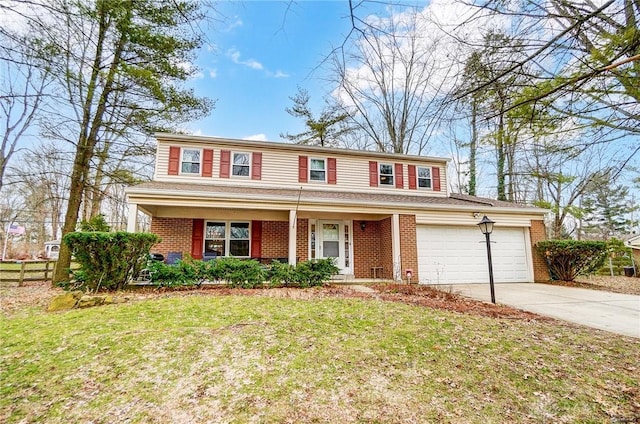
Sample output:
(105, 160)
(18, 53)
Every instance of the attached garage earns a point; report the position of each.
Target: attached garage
(458, 255)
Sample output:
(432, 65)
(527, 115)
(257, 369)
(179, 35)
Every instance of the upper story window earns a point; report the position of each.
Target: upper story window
(241, 164)
(318, 171)
(190, 163)
(386, 174)
(424, 177)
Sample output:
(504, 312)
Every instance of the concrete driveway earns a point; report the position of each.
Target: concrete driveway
(617, 313)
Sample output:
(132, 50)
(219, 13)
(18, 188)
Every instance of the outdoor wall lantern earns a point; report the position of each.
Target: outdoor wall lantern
(363, 225)
(486, 226)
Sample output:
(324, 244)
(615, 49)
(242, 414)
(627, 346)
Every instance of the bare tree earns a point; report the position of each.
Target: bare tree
(393, 82)
(119, 68)
(22, 93)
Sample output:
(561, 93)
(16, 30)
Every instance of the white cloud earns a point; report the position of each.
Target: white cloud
(234, 54)
(256, 137)
(213, 73)
(233, 25)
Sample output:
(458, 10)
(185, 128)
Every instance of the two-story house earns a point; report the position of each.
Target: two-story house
(378, 214)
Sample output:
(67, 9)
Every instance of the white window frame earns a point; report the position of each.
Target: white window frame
(392, 175)
(324, 170)
(233, 155)
(227, 236)
(182, 161)
(418, 168)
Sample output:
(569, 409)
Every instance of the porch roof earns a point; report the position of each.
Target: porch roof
(155, 192)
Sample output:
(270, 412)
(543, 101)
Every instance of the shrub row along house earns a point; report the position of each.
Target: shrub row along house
(378, 214)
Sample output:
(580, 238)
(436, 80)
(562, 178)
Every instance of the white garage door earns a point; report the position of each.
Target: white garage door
(450, 255)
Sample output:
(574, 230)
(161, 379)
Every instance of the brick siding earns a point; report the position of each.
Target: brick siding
(302, 240)
(408, 246)
(386, 250)
(175, 235)
(366, 249)
(537, 233)
(275, 239)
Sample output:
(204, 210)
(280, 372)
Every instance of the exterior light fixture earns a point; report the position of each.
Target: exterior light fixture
(363, 225)
(486, 226)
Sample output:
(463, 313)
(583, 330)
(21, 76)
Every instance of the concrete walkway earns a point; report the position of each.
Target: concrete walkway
(617, 313)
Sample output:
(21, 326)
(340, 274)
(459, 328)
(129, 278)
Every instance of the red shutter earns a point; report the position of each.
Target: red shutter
(399, 176)
(373, 173)
(435, 176)
(197, 236)
(256, 239)
(207, 162)
(303, 169)
(225, 163)
(412, 177)
(174, 160)
(256, 166)
(332, 174)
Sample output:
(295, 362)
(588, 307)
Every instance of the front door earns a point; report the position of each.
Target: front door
(333, 241)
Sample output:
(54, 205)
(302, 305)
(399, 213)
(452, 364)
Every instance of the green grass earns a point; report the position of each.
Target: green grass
(259, 359)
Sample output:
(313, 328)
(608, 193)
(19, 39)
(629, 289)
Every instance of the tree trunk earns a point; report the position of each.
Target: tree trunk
(500, 162)
(473, 147)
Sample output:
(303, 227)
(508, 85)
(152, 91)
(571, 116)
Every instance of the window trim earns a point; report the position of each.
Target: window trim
(418, 178)
(200, 164)
(380, 174)
(325, 170)
(227, 236)
(232, 164)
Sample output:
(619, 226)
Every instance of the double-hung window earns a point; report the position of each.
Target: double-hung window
(241, 164)
(386, 174)
(318, 170)
(190, 161)
(227, 239)
(424, 177)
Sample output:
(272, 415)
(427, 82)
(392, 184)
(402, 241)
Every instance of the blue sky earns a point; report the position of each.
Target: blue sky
(259, 54)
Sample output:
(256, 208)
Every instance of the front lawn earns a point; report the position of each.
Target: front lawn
(201, 357)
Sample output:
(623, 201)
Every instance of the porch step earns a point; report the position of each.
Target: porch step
(342, 278)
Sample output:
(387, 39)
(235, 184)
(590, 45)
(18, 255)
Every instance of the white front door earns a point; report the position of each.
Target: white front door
(333, 240)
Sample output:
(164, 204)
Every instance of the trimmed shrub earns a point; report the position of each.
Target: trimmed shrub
(281, 274)
(247, 274)
(107, 260)
(315, 272)
(183, 273)
(567, 259)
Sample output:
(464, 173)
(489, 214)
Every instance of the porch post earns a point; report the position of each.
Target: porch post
(132, 221)
(395, 247)
(293, 233)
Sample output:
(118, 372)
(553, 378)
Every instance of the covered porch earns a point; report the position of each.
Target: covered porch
(363, 245)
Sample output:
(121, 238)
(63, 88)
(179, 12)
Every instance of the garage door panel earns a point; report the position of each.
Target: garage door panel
(450, 255)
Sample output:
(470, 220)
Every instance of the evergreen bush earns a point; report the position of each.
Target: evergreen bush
(567, 259)
(108, 260)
